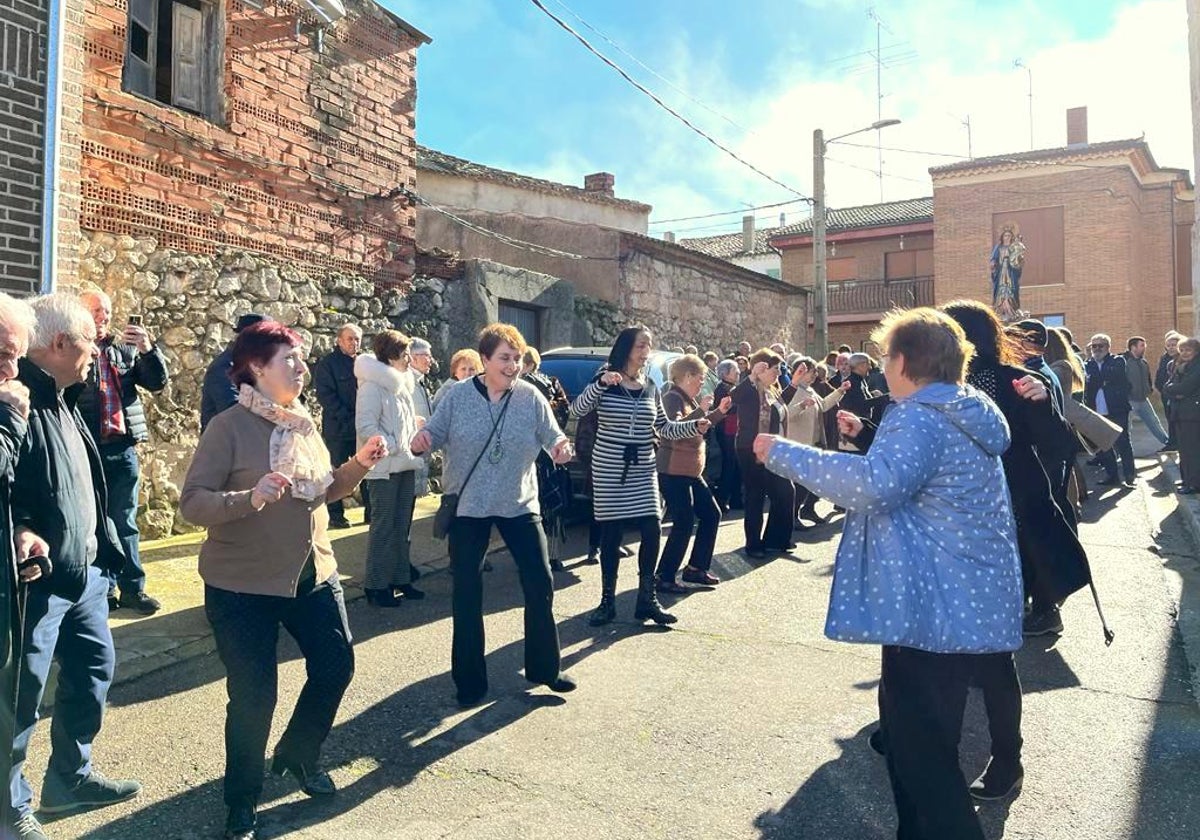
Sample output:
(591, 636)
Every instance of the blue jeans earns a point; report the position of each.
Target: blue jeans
(77, 634)
(1146, 413)
(121, 475)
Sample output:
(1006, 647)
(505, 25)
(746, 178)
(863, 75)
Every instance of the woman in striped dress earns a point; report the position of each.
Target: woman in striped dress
(624, 476)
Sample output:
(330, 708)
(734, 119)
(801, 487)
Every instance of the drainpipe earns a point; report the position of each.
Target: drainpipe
(56, 18)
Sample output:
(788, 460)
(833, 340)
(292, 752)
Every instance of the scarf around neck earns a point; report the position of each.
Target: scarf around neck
(296, 450)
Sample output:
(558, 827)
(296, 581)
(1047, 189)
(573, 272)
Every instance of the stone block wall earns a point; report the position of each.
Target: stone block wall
(190, 303)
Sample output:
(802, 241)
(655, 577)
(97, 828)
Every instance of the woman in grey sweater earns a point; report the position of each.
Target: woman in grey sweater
(492, 430)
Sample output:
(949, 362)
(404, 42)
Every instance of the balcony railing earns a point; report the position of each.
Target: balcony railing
(870, 296)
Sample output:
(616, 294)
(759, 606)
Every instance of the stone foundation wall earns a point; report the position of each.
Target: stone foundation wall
(190, 304)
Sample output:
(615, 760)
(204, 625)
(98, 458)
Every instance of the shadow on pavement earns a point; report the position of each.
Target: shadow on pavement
(387, 745)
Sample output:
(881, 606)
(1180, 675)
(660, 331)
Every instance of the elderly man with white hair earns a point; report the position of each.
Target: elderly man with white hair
(59, 504)
(114, 413)
(420, 366)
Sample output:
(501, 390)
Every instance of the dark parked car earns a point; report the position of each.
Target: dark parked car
(574, 367)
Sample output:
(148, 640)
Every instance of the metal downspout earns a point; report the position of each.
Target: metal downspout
(56, 17)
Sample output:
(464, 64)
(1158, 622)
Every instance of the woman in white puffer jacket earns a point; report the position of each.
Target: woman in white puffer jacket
(384, 407)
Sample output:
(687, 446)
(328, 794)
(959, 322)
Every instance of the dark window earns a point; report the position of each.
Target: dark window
(524, 318)
(173, 54)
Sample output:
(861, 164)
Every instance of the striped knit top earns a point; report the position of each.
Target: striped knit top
(624, 474)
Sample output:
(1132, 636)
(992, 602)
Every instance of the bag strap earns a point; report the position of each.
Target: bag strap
(495, 425)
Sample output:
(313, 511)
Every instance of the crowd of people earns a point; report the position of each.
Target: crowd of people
(955, 446)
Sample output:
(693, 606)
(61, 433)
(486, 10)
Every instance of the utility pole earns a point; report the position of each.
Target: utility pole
(1193, 8)
(1021, 64)
(967, 123)
(871, 13)
(820, 286)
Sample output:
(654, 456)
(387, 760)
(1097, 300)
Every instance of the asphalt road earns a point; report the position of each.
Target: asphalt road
(741, 722)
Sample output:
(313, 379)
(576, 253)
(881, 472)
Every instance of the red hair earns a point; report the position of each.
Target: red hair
(259, 343)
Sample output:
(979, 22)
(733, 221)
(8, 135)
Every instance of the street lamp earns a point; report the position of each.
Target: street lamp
(820, 285)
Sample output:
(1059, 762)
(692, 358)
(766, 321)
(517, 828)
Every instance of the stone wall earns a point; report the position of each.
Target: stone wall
(190, 304)
(691, 303)
(597, 322)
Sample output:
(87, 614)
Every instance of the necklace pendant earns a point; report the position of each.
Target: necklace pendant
(496, 453)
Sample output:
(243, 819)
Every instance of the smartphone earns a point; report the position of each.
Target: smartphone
(135, 320)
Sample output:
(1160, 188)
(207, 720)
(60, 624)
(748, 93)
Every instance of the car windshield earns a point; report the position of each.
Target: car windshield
(575, 372)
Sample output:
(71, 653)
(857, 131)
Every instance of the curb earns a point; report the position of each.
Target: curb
(1183, 576)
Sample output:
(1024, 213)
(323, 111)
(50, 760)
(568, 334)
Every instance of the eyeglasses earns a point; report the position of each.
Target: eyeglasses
(1097, 346)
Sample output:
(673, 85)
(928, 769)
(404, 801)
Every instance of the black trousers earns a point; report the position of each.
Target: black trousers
(246, 630)
(805, 499)
(650, 533)
(996, 675)
(689, 501)
(341, 451)
(759, 484)
(729, 489)
(1187, 438)
(922, 697)
(1123, 448)
(526, 542)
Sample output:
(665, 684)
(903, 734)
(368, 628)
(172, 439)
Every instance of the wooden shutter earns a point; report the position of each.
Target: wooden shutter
(140, 47)
(187, 58)
(838, 269)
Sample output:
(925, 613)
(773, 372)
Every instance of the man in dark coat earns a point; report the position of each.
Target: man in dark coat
(337, 392)
(111, 407)
(219, 392)
(1163, 375)
(1107, 393)
(59, 499)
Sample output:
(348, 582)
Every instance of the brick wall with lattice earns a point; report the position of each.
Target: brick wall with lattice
(298, 151)
(22, 134)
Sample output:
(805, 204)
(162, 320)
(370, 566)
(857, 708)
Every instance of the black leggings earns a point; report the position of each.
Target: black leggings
(650, 530)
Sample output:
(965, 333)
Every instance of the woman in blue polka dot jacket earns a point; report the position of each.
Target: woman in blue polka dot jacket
(928, 564)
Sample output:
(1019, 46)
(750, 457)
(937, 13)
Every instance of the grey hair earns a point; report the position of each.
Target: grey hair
(60, 313)
(1102, 338)
(724, 368)
(17, 316)
(420, 345)
(349, 326)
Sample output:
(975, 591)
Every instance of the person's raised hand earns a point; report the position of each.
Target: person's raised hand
(845, 386)
(270, 489)
(1031, 388)
(138, 337)
(763, 445)
(372, 452)
(849, 424)
(611, 377)
(726, 402)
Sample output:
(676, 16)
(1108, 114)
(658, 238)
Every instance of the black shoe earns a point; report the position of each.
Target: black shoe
(648, 606)
(671, 587)
(801, 526)
(339, 524)
(1186, 490)
(140, 601)
(593, 557)
(875, 741)
(93, 792)
(28, 828)
(997, 782)
(114, 603)
(411, 592)
(466, 701)
(812, 516)
(756, 553)
(385, 598)
(557, 565)
(1110, 481)
(241, 823)
(605, 613)
(1044, 623)
(699, 576)
(312, 781)
(625, 551)
(561, 684)
(1130, 482)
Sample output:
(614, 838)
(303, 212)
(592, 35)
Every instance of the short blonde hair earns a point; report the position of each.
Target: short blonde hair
(493, 335)
(465, 355)
(688, 365)
(532, 357)
(934, 345)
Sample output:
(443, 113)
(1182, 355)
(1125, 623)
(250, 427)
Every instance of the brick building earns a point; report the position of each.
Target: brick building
(23, 77)
(1108, 233)
(879, 256)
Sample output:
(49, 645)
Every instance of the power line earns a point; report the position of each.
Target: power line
(652, 71)
(874, 171)
(727, 212)
(566, 26)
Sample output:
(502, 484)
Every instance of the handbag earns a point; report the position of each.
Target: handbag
(447, 510)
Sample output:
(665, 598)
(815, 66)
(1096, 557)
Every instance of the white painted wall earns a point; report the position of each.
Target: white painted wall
(762, 263)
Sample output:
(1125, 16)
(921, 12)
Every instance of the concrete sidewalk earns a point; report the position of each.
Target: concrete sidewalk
(180, 631)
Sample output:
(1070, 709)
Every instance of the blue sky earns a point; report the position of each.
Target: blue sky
(501, 84)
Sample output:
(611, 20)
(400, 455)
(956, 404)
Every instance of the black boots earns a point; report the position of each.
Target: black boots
(647, 603)
(607, 611)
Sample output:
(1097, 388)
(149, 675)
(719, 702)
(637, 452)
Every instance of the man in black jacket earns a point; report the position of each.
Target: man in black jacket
(1162, 375)
(219, 392)
(1107, 393)
(59, 496)
(337, 392)
(114, 413)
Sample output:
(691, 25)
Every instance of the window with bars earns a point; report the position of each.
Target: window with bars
(173, 54)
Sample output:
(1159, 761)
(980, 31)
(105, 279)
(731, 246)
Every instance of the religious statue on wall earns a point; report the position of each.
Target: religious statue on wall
(1008, 260)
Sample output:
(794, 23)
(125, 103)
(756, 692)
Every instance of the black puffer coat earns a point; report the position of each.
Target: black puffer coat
(147, 370)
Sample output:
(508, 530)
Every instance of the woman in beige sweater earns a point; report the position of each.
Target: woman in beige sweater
(806, 424)
(259, 482)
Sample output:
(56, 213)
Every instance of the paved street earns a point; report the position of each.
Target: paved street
(741, 722)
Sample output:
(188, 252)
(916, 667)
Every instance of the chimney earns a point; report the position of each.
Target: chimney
(747, 234)
(669, 236)
(783, 219)
(1077, 126)
(600, 182)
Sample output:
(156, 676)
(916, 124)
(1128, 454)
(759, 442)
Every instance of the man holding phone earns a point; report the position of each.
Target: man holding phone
(114, 413)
